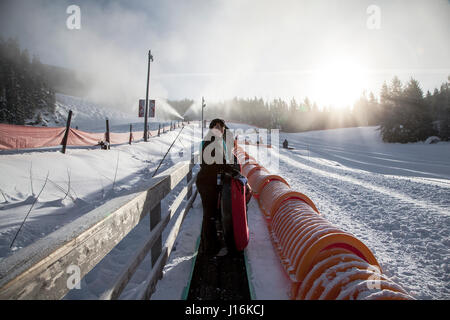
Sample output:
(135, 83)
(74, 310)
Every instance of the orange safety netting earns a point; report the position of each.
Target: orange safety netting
(24, 137)
(27, 137)
(81, 138)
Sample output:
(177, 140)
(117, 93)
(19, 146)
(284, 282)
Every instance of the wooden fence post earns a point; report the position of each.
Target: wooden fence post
(189, 178)
(66, 134)
(155, 218)
(131, 133)
(108, 140)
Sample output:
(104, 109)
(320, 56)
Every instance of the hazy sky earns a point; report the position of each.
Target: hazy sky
(224, 48)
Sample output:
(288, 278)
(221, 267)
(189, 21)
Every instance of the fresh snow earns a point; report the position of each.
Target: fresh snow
(393, 197)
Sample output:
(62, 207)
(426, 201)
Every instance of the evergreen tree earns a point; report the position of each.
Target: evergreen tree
(418, 124)
(374, 108)
(385, 94)
(23, 88)
(387, 121)
(396, 89)
(406, 114)
(444, 127)
(361, 111)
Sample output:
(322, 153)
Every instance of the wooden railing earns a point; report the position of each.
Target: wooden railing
(43, 269)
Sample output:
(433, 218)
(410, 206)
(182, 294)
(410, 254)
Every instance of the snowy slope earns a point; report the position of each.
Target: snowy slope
(81, 179)
(88, 116)
(394, 197)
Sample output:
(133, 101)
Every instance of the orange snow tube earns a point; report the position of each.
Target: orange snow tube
(259, 180)
(274, 192)
(321, 260)
(249, 170)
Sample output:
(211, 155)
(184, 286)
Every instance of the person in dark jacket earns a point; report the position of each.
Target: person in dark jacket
(213, 160)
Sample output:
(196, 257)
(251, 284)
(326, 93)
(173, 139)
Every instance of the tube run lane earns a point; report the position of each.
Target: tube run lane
(219, 278)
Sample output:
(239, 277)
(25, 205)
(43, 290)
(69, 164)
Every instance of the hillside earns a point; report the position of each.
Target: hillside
(25, 95)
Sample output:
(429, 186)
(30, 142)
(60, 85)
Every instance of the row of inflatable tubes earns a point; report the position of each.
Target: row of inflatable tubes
(14, 137)
(321, 260)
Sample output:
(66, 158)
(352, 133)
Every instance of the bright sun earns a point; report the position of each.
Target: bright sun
(338, 83)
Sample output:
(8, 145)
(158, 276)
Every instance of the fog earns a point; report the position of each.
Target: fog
(220, 49)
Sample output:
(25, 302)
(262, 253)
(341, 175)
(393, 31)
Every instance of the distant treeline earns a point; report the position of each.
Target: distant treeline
(402, 112)
(27, 86)
(406, 115)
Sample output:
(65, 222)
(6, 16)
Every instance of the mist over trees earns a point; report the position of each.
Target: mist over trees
(402, 112)
(27, 86)
(23, 89)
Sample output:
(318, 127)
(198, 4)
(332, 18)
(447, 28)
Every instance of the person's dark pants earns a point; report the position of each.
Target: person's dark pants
(209, 193)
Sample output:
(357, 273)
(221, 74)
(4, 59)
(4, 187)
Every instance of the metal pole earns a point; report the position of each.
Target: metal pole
(150, 59)
(167, 153)
(203, 106)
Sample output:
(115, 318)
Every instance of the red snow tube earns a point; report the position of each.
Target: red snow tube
(239, 213)
(234, 214)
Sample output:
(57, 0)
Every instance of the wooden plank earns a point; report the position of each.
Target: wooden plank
(155, 218)
(188, 179)
(127, 272)
(154, 275)
(176, 228)
(159, 265)
(47, 278)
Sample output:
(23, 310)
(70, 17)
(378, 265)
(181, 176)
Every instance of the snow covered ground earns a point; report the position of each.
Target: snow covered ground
(81, 180)
(395, 198)
(91, 175)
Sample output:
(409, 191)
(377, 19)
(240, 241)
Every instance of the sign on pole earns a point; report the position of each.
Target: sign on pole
(141, 108)
(151, 111)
